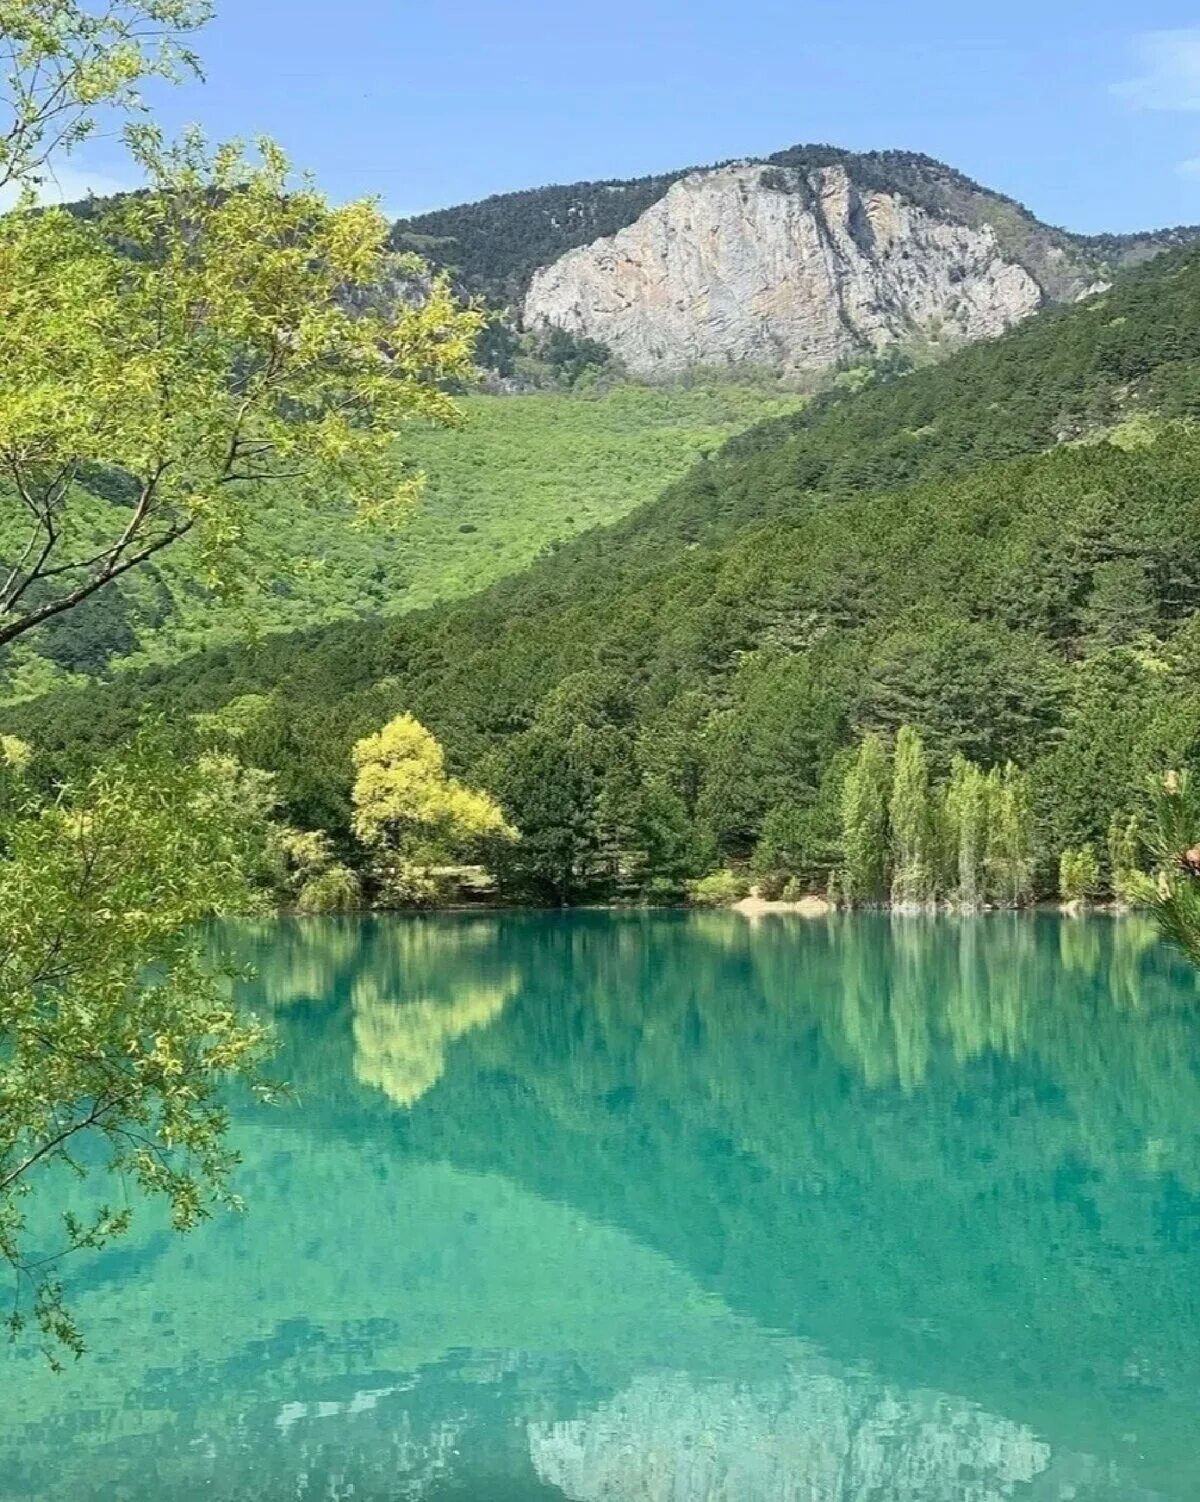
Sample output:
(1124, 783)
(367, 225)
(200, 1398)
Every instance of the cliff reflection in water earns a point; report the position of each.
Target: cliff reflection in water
(674, 1207)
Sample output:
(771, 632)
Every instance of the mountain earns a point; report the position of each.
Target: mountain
(811, 258)
(778, 267)
(1002, 550)
(802, 260)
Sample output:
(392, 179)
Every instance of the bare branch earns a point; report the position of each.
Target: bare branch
(83, 591)
(10, 593)
(100, 1107)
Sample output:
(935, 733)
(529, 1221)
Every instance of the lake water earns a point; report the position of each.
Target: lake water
(671, 1207)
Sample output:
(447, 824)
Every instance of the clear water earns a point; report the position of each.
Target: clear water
(672, 1207)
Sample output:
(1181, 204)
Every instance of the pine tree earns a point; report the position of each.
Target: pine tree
(1175, 843)
(911, 821)
(865, 850)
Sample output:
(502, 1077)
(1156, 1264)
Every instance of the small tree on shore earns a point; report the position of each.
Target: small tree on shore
(1078, 874)
(1127, 881)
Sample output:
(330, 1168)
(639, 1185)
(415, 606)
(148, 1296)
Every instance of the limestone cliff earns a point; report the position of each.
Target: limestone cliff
(780, 267)
(817, 1437)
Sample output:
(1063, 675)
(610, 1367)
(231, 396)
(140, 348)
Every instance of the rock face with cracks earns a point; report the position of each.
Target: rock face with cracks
(782, 268)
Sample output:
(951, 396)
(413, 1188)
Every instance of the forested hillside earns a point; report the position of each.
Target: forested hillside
(496, 245)
(523, 475)
(1003, 552)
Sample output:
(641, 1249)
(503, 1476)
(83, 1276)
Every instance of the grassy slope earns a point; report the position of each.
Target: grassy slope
(539, 469)
(525, 474)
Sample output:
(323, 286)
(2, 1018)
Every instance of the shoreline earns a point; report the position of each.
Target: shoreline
(812, 906)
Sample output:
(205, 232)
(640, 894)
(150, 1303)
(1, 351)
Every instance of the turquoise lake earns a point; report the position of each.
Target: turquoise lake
(670, 1207)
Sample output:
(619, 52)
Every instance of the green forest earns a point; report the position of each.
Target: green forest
(1000, 554)
(517, 479)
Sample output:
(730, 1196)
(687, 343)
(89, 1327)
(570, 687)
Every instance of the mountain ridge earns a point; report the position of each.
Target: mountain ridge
(801, 261)
(495, 243)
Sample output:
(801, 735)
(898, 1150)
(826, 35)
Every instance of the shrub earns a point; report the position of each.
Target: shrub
(771, 885)
(336, 890)
(718, 889)
(664, 891)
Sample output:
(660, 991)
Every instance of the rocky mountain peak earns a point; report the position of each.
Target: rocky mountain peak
(784, 267)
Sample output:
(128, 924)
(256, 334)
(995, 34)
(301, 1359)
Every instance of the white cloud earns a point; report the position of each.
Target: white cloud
(69, 182)
(1189, 168)
(1169, 71)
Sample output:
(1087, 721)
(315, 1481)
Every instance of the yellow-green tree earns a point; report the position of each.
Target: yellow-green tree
(62, 61)
(221, 335)
(411, 812)
(117, 1027)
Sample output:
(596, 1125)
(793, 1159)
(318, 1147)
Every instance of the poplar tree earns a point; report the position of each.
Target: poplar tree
(1010, 836)
(966, 821)
(911, 822)
(865, 850)
(1124, 857)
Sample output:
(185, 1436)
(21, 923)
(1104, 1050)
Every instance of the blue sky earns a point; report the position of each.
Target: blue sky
(1090, 114)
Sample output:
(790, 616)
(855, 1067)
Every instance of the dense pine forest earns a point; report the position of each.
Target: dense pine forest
(1001, 553)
